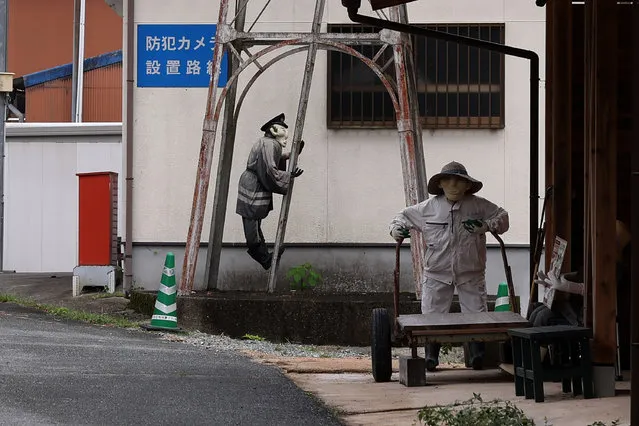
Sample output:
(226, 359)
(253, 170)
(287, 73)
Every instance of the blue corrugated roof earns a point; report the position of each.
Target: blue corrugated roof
(66, 70)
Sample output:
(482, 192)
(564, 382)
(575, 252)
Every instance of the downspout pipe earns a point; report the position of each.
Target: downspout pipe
(634, 232)
(78, 60)
(128, 238)
(353, 6)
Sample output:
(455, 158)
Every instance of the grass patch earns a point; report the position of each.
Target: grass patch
(253, 337)
(104, 295)
(70, 314)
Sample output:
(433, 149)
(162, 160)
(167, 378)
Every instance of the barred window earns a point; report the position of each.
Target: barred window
(457, 86)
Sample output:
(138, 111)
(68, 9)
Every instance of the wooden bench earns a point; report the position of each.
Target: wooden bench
(420, 329)
(574, 366)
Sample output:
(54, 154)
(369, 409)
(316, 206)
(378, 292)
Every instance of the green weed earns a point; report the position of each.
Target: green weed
(70, 314)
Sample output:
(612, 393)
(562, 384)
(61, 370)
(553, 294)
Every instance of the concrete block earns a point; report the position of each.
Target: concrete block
(412, 371)
(603, 377)
(93, 276)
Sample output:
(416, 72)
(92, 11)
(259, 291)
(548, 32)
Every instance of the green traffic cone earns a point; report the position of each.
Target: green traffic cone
(165, 312)
(502, 303)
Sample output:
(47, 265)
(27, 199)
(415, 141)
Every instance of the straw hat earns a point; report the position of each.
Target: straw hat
(453, 169)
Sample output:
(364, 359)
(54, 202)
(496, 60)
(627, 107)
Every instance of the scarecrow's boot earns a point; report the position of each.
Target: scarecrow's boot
(260, 254)
(432, 356)
(477, 350)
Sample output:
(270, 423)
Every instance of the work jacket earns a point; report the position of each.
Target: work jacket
(453, 255)
(263, 176)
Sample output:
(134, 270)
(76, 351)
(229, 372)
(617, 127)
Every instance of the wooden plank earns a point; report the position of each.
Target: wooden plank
(464, 321)
(470, 332)
(302, 106)
(601, 122)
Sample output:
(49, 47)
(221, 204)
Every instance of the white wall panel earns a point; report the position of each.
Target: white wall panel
(59, 213)
(41, 195)
(23, 207)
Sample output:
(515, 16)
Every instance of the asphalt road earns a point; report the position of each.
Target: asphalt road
(59, 372)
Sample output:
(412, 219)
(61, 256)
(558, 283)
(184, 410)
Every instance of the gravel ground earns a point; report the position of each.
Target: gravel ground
(223, 343)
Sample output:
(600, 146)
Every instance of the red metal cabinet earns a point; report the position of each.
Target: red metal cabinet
(97, 218)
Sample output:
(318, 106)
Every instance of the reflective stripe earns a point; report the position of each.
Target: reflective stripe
(500, 301)
(251, 202)
(167, 309)
(168, 290)
(164, 318)
(169, 272)
(259, 195)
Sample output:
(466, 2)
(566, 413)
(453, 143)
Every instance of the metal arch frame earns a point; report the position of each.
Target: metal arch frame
(212, 267)
(333, 46)
(340, 47)
(408, 125)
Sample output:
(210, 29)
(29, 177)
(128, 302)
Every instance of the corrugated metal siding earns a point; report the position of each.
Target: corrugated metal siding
(41, 33)
(51, 101)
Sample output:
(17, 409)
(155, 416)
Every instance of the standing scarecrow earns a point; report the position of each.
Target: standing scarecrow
(265, 174)
(454, 224)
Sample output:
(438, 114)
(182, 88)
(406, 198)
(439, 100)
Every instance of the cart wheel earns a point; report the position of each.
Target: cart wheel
(381, 346)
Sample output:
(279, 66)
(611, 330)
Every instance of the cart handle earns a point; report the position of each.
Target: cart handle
(509, 275)
(396, 277)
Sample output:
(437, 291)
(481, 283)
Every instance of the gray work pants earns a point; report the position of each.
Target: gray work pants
(437, 298)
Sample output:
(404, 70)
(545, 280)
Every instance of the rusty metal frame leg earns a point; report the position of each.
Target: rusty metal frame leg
(410, 137)
(204, 164)
(297, 134)
(222, 181)
(208, 140)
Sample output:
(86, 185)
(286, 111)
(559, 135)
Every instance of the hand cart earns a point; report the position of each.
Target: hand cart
(417, 330)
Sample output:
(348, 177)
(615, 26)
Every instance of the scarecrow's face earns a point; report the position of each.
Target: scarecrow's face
(454, 187)
(280, 133)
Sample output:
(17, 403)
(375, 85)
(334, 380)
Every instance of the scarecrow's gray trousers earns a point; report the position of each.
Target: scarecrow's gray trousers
(437, 298)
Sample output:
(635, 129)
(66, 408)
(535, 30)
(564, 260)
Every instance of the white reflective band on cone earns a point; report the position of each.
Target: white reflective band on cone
(168, 290)
(167, 309)
(164, 318)
(501, 301)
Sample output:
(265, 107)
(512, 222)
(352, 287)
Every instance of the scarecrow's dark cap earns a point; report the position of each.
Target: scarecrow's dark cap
(275, 120)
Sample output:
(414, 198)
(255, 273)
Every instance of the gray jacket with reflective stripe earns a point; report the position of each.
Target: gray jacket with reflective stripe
(453, 255)
(261, 178)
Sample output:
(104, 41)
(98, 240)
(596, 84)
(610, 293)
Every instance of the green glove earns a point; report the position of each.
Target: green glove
(399, 233)
(475, 226)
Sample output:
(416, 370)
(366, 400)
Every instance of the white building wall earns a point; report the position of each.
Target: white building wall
(41, 189)
(352, 184)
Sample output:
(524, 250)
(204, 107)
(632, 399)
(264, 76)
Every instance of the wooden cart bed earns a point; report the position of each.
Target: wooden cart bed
(460, 327)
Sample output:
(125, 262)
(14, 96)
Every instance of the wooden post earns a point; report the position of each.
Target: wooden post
(560, 128)
(601, 140)
(634, 227)
(550, 179)
(588, 105)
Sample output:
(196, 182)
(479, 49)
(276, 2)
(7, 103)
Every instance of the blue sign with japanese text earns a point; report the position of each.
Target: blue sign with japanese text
(177, 55)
